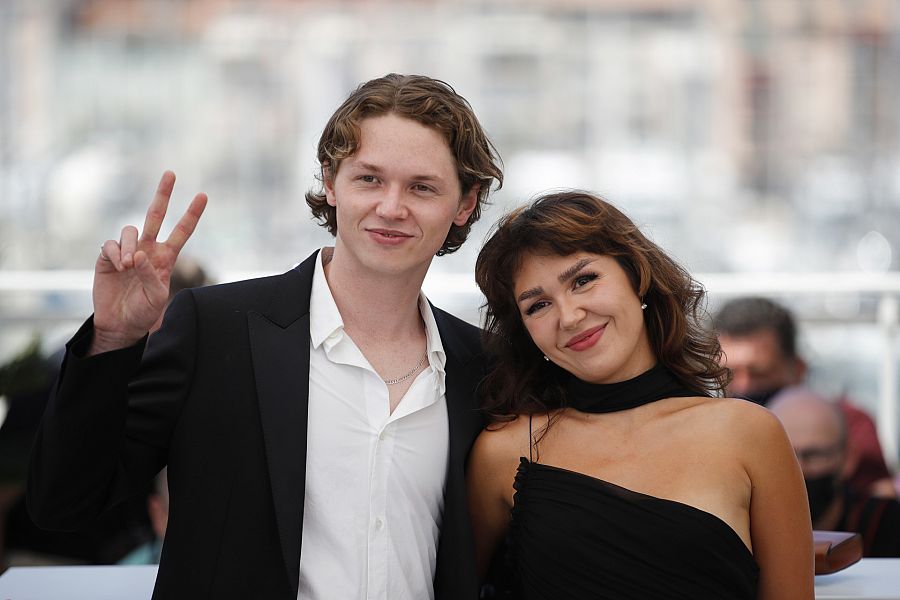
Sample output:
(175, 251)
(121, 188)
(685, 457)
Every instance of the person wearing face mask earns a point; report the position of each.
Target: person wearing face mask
(818, 433)
(759, 347)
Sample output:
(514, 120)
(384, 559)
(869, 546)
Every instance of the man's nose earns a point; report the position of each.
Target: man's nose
(392, 204)
(740, 382)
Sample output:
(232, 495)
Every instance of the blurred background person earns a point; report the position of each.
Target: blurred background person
(759, 346)
(818, 433)
(24, 381)
(188, 273)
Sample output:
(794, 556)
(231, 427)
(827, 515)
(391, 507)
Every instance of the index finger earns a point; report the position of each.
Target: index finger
(157, 210)
(187, 223)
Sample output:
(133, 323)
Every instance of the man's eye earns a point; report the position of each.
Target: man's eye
(367, 178)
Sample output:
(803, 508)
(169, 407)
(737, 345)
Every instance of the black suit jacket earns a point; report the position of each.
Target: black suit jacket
(220, 395)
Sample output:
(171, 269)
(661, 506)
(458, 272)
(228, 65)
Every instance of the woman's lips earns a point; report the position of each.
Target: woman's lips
(587, 339)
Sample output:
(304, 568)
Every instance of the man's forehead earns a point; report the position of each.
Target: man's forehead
(807, 432)
(809, 421)
(754, 346)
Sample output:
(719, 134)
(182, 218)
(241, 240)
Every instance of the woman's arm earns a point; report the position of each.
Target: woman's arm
(489, 480)
(780, 526)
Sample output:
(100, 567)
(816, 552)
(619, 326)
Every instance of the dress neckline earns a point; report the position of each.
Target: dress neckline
(657, 383)
(526, 463)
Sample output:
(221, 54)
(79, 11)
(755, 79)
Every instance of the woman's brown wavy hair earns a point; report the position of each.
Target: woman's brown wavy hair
(564, 223)
(428, 101)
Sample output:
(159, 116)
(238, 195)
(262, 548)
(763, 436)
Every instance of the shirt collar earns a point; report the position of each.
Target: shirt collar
(325, 320)
(326, 324)
(436, 355)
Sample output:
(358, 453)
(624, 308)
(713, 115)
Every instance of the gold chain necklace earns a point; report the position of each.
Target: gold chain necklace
(408, 375)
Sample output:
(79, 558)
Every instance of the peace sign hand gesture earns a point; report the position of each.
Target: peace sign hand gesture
(131, 276)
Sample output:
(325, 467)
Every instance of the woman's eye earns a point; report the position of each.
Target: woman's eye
(367, 178)
(421, 188)
(583, 280)
(535, 307)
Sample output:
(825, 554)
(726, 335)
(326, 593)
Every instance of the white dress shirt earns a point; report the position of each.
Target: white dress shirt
(374, 480)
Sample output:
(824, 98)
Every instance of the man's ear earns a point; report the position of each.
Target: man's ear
(800, 369)
(850, 457)
(466, 205)
(328, 184)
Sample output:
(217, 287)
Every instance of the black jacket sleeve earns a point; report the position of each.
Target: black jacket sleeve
(108, 422)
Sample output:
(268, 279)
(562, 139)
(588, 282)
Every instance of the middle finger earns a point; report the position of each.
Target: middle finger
(156, 212)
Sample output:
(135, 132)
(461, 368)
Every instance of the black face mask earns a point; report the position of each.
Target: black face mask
(761, 397)
(821, 492)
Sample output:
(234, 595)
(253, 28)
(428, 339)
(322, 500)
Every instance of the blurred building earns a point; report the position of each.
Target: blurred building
(775, 118)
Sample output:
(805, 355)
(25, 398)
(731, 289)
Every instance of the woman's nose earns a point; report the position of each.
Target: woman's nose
(570, 314)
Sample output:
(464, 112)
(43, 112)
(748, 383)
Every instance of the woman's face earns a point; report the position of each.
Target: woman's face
(584, 315)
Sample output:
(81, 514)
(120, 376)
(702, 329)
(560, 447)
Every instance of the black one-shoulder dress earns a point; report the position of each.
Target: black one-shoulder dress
(576, 537)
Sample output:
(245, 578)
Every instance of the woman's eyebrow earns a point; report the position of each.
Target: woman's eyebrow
(531, 293)
(563, 277)
(574, 269)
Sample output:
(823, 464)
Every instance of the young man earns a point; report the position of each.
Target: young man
(315, 424)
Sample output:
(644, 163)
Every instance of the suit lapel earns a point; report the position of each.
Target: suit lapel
(455, 570)
(279, 344)
(462, 407)
(461, 382)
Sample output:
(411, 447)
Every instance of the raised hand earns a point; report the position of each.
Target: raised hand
(131, 276)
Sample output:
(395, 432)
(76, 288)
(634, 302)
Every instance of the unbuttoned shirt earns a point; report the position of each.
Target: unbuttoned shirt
(374, 480)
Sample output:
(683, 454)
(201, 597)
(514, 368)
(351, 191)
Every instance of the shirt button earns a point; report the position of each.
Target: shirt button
(382, 436)
(379, 524)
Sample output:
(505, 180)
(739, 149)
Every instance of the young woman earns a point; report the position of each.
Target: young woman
(611, 468)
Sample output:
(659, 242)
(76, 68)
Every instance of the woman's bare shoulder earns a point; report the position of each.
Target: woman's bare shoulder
(508, 440)
(506, 435)
(751, 419)
(753, 431)
(732, 412)
(731, 422)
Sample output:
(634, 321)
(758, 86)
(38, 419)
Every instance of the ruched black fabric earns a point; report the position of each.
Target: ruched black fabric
(575, 537)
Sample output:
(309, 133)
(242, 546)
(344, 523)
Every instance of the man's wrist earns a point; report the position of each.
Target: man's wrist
(105, 341)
